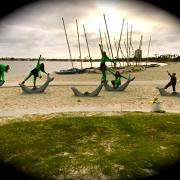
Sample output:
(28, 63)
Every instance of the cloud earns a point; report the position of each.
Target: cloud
(38, 28)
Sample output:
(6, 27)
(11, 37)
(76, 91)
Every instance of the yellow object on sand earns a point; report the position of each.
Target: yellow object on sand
(151, 102)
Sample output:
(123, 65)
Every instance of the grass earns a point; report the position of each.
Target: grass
(96, 147)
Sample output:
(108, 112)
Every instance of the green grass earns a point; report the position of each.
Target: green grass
(110, 147)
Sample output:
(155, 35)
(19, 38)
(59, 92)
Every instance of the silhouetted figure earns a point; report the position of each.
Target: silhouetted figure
(172, 81)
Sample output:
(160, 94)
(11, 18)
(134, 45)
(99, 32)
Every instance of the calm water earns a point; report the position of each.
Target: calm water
(24, 67)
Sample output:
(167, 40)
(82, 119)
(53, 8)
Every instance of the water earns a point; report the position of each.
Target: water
(24, 67)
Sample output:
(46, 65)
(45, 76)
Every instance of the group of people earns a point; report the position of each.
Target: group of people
(118, 76)
(116, 82)
(40, 67)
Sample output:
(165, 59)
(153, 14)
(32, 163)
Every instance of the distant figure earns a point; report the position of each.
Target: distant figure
(118, 77)
(172, 81)
(3, 68)
(36, 72)
(103, 67)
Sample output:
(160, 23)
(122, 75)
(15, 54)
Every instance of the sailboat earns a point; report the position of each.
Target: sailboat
(72, 70)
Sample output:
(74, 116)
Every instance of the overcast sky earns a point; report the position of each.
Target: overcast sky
(37, 28)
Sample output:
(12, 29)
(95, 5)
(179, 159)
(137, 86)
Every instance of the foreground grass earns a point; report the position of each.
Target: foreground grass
(98, 147)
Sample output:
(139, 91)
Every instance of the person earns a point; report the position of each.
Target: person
(36, 72)
(3, 68)
(117, 81)
(103, 67)
(172, 81)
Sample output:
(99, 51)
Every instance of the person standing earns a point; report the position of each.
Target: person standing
(172, 81)
(103, 66)
(3, 69)
(36, 72)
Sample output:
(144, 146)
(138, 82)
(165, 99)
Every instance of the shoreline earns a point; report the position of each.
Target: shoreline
(155, 60)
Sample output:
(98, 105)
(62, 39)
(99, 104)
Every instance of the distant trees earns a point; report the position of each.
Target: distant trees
(156, 58)
(167, 57)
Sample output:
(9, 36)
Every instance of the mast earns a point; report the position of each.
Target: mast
(127, 47)
(126, 51)
(79, 43)
(122, 54)
(140, 44)
(108, 37)
(131, 42)
(87, 44)
(148, 50)
(100, 37)
(131, 47)
(67, 43)
(107, 44)
(116, 46)
(120, 38)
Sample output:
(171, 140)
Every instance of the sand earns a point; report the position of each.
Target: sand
(59, 97)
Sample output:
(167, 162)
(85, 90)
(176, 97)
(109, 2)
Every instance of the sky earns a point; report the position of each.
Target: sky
(38, 28)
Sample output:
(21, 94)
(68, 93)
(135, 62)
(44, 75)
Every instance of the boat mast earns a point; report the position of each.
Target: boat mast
(140, 44)
(87, 44)
(107, 44)
(79, 43)
(120, 38)
(116, 46)
(100, 37)
(67, 43)
(127, 46)
(108, 36)
(131, 42)
(122, 54)
(131, 47)
(148, 50)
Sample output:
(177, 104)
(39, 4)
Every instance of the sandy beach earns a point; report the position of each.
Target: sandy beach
(58, 97)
